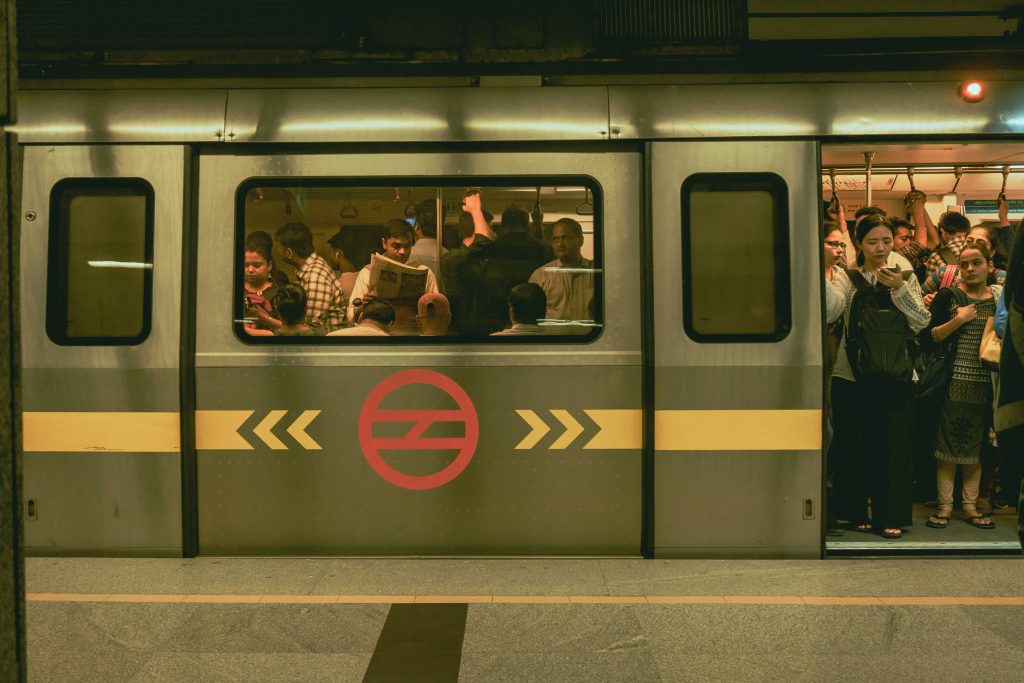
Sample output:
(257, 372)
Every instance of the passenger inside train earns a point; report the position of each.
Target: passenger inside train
(912, 337)
(399, 256)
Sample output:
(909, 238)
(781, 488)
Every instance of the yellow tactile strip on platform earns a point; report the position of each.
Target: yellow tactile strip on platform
(533, 599)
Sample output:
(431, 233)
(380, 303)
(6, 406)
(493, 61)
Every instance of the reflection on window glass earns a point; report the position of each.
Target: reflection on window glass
(334, 261)
(736, 257)
(100, 271)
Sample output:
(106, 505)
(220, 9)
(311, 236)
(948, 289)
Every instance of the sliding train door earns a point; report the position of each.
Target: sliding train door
(101, 238)
(526, 443)
(737, 349)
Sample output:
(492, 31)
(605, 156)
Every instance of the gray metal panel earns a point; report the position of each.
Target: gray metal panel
(103, 502)
(729, 504)
(796, 163)
(163, 167)
(811, 109)
(784, 375)
(537, 501)
(417, 114)
(106, 503)
(508, 501)
(124, 389)
(69, 116)
(617, 172)
(739, 387)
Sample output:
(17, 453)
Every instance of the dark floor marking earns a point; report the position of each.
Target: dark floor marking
(421, 643)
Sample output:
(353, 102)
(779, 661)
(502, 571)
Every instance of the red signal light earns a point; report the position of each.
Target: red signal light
(972, 91)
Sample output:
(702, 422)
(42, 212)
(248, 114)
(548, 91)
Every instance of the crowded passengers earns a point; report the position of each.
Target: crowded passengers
(914, 368)
(406, 283)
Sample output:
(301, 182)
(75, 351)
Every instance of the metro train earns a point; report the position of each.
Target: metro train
(687, 422)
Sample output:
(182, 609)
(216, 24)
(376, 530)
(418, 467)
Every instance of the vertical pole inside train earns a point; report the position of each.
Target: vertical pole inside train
(868, 158)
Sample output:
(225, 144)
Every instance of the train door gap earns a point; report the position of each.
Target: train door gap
(915, 184)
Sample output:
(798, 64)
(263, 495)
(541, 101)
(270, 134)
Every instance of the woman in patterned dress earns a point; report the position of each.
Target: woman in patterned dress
(966, 413)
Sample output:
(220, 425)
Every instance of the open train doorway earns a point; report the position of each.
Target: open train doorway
(918, 472)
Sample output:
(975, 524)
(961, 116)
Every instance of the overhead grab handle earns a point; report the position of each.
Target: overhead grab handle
(585, 208)
(868, 158)
(915, 194)
(958, 173)
(349, 211)
(1006, 176)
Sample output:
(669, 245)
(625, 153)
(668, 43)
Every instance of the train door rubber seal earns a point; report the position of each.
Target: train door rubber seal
(187, 362)
(647, 405)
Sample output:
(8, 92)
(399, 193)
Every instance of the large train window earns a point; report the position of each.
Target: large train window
(100, 275)
(735, 257)
(492, 260)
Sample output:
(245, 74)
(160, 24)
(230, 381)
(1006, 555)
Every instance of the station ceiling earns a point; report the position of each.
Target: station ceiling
(233, 38)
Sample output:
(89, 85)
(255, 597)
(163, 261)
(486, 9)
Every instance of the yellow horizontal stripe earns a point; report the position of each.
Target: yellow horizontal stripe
(87, 432)
(620, 430)
(675, 430)
(812, 600)
(737, 430)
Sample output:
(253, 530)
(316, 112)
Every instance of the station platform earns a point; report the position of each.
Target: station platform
(335, 619)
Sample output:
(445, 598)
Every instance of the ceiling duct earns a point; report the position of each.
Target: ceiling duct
(670, 22)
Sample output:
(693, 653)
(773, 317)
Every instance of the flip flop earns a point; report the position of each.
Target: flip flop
(938, 522)
(975, 521)
(864, 528)
(890, 534)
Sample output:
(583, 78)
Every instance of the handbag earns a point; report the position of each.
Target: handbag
(991, 347)
(934, 365)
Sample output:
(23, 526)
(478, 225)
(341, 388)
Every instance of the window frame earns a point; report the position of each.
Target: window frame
(57, 260)
(777, 188)
(460, 182)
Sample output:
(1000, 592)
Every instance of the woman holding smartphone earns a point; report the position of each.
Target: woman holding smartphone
(873, 441)
(964, 310)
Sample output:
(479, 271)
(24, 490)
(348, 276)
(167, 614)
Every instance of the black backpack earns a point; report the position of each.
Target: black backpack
(879, 342)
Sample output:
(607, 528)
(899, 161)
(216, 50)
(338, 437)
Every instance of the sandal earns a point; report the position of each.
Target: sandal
(864, 527)
(980, 522)
(938, 521)
(891, 533)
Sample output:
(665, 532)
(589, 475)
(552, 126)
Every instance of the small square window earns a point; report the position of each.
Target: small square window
(736, 257)
(100, 276)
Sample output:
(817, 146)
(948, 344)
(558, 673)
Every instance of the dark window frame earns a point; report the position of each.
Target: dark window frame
(444, 182)
(776, 186)
(57, 259)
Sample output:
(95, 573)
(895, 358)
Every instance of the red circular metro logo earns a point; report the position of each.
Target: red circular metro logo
(413, 440)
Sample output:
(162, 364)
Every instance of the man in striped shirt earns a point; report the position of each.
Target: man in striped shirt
(325, 300)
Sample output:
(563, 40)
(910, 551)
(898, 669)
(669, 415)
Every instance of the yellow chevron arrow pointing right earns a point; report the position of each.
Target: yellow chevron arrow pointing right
(572, 430)
(538, 429)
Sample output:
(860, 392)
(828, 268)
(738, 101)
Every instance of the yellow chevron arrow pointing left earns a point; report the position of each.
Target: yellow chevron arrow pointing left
(298, 430)
(268, 437)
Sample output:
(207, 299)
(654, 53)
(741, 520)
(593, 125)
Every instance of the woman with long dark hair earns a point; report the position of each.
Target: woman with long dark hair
(873, 447)
(964, 310)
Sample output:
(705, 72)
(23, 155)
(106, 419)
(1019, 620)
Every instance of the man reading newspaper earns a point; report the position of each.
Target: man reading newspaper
(388, 277)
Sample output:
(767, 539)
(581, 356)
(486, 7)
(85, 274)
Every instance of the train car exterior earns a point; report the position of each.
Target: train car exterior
(177, 435)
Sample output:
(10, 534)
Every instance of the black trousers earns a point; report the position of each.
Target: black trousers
(873, 452)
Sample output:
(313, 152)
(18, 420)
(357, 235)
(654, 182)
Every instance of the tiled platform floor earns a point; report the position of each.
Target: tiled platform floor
(287, 619)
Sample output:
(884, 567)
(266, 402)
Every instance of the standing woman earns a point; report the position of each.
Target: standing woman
(966, 413)
(834, 254)
(873, 448)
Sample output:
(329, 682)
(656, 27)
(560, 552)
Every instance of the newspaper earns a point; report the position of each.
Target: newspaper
(393, 280)
(401, 286)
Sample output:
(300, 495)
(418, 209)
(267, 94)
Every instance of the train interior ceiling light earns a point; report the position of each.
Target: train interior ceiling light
(972, 91)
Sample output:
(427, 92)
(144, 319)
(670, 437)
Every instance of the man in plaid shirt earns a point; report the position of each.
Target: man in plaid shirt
(953, 229)
(325, 300)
